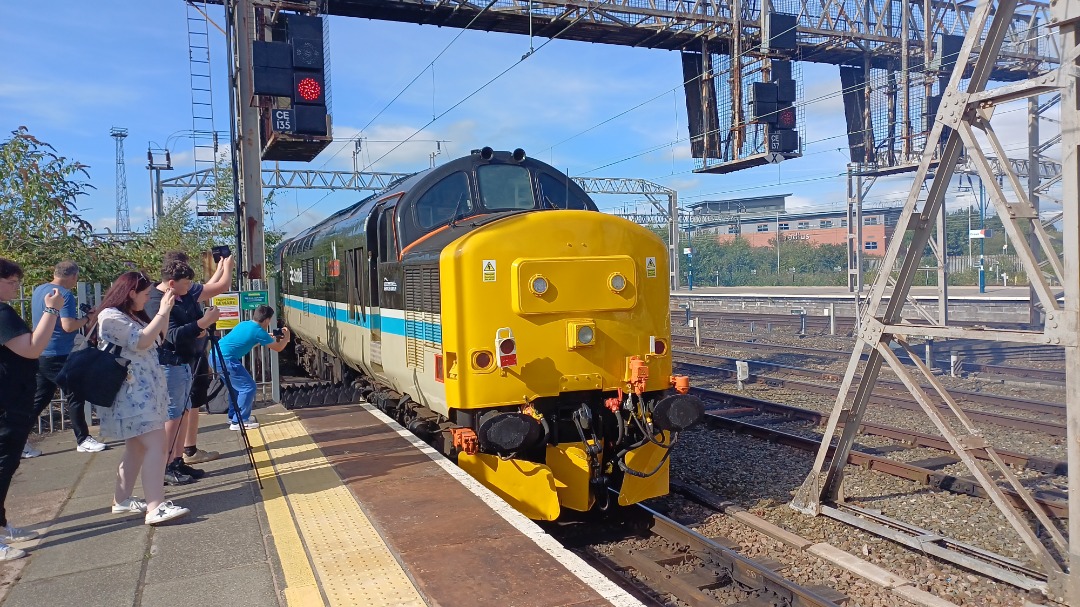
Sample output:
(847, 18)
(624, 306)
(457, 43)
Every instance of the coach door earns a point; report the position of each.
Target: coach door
(384, 288)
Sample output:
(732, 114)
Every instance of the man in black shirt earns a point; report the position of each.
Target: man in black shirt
(187, 323)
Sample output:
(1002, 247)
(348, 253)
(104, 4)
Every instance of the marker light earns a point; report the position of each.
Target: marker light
(481, 360)
(538, 285)
(617, 282)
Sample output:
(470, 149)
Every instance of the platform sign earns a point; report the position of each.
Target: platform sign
(229, 305)
(983, 233)
(249, 300)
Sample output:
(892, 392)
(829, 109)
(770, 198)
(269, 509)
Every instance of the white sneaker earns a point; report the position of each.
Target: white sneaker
(91, 445)
(28, 452)
(14, 534)
(9, 553)
(251, 425)
(131, 504)
(167, 511)
(234, 427)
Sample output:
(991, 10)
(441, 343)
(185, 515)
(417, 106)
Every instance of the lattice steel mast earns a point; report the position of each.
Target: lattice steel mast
(123, 217)
(968, 106)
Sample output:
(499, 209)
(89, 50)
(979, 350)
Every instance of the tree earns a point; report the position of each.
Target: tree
(40, 223)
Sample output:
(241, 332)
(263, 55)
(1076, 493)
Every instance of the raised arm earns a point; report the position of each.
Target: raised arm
(31, 345)
(159, 323)
(220, 281)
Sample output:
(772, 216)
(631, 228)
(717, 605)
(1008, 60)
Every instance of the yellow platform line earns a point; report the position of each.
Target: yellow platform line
(351, 561)
(301, 590)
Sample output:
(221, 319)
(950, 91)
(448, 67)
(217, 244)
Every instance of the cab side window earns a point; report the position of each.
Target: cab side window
(387, 236)
(438, 206)
(555, 192)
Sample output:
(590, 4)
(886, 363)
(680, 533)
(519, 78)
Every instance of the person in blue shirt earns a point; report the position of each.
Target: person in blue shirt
(234, 347)
(61, 343)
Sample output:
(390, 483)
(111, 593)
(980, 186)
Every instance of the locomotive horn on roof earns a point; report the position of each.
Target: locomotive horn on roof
(519, 155)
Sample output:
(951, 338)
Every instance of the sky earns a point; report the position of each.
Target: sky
(588, 109)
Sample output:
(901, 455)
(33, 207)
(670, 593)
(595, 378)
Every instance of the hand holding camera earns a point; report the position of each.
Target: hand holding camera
(282, 333)
(221, 252)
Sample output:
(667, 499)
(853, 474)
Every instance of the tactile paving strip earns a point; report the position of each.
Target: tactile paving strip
(353, 564)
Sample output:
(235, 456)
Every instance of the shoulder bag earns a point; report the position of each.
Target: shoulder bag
(94, 376)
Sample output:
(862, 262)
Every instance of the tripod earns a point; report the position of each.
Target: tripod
(234, 406)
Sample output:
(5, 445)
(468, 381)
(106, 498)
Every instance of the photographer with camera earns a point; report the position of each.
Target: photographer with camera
(62, 342)
(234, 347)
(220, 282)
(187, 323)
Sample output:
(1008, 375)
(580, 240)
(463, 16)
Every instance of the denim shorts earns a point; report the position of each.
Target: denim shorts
(178, 378)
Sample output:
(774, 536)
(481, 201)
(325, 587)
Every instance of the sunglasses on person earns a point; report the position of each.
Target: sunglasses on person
(143, 282)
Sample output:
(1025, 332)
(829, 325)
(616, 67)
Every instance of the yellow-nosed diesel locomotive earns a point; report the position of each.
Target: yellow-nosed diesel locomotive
(491, 309)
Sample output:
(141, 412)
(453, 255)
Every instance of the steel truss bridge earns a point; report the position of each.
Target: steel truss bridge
(838, 32)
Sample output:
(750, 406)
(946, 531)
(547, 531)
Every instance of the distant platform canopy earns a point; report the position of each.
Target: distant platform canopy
(771, 204)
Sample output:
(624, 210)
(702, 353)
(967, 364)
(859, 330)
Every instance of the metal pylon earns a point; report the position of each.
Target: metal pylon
(203, 135)
(123, 217)
(968, 106)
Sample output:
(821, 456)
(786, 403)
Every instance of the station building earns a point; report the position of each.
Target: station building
(760, 219)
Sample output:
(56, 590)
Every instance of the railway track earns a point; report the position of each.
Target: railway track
(1004, 371)
(887, 392)
(1054, 506)
(843, 324)
(738, 405)
(696, 570)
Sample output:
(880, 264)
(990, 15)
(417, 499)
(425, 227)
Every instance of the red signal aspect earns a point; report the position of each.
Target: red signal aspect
(785, 119)
(309, 89)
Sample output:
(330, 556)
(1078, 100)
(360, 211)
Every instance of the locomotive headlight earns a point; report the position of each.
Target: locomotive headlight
(617, 282)
(585, 335)
(538, 285)
(580, 334)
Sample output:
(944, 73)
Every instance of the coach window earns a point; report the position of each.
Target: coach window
(557, 193)
(438, 205)
(505, 187)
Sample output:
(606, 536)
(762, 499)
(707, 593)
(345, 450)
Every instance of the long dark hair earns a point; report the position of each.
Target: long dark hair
(117, 295)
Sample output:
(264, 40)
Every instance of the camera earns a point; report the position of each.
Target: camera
(85, 308)
(221, 251)
(278, 333)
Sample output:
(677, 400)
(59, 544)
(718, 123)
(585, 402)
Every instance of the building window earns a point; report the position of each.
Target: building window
(784, 227)
(843, 223)
(871, 245)
(762, 227)
(890, 220)
(732, 230)
(804, 225)
(825, 223)
(870, 221)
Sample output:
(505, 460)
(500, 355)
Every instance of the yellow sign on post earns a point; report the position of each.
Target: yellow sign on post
(229, 305)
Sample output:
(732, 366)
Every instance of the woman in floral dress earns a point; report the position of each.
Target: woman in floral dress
(139, 412)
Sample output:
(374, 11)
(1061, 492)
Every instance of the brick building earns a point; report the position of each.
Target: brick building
(759, 219)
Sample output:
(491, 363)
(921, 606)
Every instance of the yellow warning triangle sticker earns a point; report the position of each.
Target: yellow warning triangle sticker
(489, 267)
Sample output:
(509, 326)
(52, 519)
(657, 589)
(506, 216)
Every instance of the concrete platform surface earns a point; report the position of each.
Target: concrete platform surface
(352, 510)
